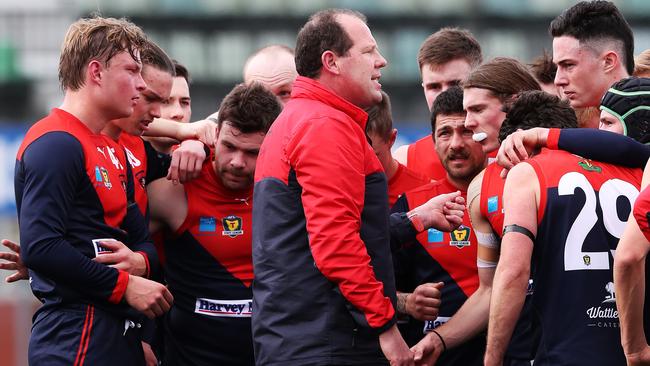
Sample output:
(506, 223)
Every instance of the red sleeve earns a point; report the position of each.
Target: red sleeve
(553, 138)
(329, 160)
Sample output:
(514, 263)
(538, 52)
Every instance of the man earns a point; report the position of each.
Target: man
(528, 109)
(208, 266)
(320, 226)
(631, 278)
(275, 68)
(487, 89)
(574, 243)
(593, 47)
(445, 59)
(382, 135)
(70, 203)
(431, 258)
(177, 108)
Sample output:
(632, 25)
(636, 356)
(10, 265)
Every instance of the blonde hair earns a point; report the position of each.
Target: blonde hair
(642, 64)
(98, 39)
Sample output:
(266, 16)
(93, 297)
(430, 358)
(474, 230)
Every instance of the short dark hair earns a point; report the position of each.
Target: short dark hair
(153, 55)
(503, 77)
(321, 33)
(592, 21)
(181, 71)
(380, 118)
(249, 108)
(449, 44)
(536, 108)
(543, 68)
(448, 103)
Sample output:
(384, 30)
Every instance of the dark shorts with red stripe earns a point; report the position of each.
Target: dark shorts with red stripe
(84, 335)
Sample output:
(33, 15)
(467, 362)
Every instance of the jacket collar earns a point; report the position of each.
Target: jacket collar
(309, 88)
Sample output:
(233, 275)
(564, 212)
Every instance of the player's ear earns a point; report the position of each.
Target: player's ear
(94, 71)
(610, 61)
(330, 62)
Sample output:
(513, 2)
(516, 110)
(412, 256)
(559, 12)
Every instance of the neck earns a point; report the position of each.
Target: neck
(76, 103)
(460, 184)
(112, 130)
(391, 169)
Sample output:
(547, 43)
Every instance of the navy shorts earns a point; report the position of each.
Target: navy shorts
(84, 335)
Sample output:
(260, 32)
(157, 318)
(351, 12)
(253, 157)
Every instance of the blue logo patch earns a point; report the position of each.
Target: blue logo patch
(98, 174)
(434, 236)
(207, 224)
(493, 204)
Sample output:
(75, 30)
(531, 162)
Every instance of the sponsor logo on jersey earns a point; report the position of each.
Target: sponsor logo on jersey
(135, 162)
(224, 308)
(434, 236)
(105, 178)
(588, 166)
(98, 174)
(430, 325)
(460, 237)
(586, 259)
(493, 204)
(232, 226)
(604, 315)
(207, 224)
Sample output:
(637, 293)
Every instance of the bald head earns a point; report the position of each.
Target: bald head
(274, 67)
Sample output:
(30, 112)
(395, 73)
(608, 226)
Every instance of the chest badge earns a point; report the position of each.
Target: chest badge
(232, 226)
(460, 237)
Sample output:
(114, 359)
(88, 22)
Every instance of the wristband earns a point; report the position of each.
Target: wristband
(416, 222)
(444, 345)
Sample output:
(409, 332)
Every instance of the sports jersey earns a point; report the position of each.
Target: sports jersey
(642, 212)
(421, 158)
(583, 206)
(324, 285)
(67, 202)
(209, 271)
(436, 256)
(491, 199)
(403, 180)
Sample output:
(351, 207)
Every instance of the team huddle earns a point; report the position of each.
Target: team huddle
(282, 230)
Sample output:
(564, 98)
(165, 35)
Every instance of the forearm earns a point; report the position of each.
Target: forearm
(469, 320)
(509, 294)
(161, 127)
(589, 143)
(629, 277)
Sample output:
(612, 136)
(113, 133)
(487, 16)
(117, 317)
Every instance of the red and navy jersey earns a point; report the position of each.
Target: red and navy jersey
(209, 271)
(436, 256)
(491, 199)
(403, 180)
(422, 158)
(66, 202)
(583, 207)
(321, 241)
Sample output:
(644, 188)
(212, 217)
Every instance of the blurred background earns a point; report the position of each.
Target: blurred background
(213, 38)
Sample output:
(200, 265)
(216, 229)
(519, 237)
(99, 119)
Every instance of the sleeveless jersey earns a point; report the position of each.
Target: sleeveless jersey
(209, 271)
(403, 180)
(491, 200)
(422, 158)
(582, 211)
(443, 257)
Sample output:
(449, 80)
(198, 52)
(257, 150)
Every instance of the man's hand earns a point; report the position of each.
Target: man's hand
(149, 356)
(394, 348)
(424, 302)
(641, 358)
(187, 161)
(123, 258)
(519, 146)
(443, 212)
(203, 130)
(148, 297)
(428, 350)
(13, 262)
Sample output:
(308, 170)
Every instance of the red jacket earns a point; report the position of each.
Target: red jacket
(324, 286)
